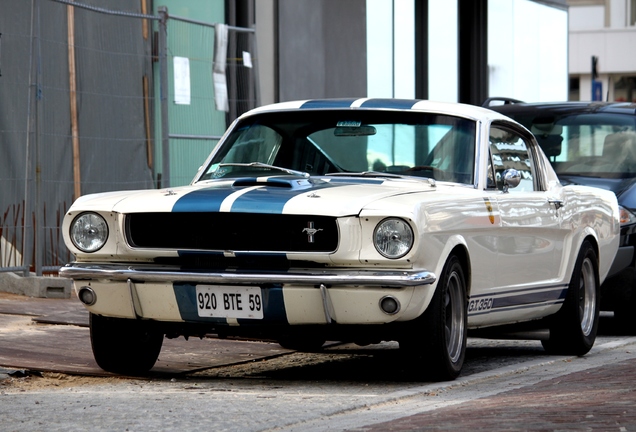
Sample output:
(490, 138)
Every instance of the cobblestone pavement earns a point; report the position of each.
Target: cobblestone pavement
(601, 399)
(505, 385)
(594, 392)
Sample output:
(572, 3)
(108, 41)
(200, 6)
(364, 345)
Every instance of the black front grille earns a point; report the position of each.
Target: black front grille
(197, 261)
(232, 232)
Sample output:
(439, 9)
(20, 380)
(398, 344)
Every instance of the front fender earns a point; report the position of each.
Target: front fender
(601, 226)
(423, 297)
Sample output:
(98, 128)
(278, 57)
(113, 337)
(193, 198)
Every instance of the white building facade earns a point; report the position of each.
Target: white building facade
(605, 29)
(527, 49)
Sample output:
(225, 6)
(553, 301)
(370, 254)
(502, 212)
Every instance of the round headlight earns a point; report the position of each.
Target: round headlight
(393, 238)
(89, 232)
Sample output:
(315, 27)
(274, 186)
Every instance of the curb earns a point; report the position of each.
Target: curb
(36, 286)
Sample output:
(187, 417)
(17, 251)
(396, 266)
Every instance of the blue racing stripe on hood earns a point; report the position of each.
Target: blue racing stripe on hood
(270, 195)
(389, 103)
(272, 199)
(203, 200)
(322, 103)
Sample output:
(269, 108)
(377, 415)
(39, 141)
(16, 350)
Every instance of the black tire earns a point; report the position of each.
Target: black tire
(624, 320)
(573, 329)
(124, 346)
(624, 285)
(438, 343)
(297, 343)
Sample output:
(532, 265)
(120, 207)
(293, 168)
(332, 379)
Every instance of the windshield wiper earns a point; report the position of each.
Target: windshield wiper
(575, 174)
(263, 165)
(366, 174)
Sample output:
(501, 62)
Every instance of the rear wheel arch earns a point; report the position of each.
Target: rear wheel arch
(593, 242)
(590, 237)
(574, 327)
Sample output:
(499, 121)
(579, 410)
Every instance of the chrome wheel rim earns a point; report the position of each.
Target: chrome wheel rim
(454, 323)
(587, 296)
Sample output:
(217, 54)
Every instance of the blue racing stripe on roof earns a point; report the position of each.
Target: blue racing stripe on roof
(389, 103)
(327, 103)
(203, 200)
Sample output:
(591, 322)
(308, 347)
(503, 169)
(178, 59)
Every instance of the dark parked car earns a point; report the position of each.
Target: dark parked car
(594, 144)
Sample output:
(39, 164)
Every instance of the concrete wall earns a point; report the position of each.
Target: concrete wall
(322, 49)
(267, 53)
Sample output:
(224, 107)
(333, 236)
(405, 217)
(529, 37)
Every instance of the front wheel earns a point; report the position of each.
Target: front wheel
(437, 345)
(124, 346)
(573, 329)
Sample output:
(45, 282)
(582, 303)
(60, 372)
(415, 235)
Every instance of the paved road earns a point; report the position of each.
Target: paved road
(506, 385)
(595, 392)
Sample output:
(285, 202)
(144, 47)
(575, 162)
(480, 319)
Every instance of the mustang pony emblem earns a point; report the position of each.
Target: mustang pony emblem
(311, 231)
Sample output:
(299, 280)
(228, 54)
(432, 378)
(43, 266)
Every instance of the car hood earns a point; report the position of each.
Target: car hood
(328, 196)
(624, 188)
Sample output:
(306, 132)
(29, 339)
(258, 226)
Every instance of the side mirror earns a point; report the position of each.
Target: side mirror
(511, 179)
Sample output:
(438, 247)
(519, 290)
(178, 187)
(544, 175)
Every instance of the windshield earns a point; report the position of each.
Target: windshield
(594, 145)
(370, 142)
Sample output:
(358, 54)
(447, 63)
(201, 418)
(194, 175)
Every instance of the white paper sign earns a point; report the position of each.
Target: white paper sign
(182, 81)
(247, 59)
(218, 70)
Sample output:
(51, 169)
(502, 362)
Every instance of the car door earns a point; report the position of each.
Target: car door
(529, 238)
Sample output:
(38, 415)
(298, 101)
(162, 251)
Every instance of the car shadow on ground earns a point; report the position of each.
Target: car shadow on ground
(385, 363)
(374, 364)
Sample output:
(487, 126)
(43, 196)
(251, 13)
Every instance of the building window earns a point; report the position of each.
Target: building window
(575, 90)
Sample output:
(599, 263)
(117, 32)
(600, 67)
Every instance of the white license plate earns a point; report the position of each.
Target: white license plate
(222, 301)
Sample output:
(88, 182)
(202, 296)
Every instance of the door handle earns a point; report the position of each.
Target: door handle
(558, 203)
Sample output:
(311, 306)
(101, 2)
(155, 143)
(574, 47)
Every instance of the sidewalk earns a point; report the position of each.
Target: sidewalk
(601, 399)
(52, 335)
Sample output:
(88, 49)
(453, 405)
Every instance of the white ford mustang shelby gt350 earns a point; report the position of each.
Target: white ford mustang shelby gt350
(356, 220)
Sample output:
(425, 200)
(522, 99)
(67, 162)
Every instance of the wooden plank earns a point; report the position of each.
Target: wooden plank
(147, 123)
(70, 19)
(144, 23)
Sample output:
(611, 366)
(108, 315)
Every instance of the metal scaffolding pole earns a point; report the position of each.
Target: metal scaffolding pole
(163, 85)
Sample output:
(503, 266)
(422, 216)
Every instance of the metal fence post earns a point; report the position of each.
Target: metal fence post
(27, 232)
(163, 90)
(255, 80)
(39, 222)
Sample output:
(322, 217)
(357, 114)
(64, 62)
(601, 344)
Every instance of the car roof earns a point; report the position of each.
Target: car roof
(566, 108)
(465, 110)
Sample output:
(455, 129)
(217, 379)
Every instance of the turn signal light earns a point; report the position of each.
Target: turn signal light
(87, 295)
(389, 305)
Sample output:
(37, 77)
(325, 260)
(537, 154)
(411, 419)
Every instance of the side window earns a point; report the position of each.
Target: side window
(255, 144)
(491, 178)
(510, 150)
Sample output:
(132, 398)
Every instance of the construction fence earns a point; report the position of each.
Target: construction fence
(120, 97)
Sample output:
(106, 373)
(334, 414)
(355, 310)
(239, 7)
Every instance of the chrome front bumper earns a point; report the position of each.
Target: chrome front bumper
(152, 273)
